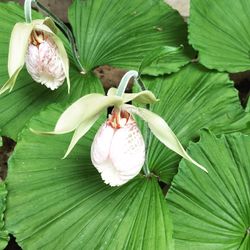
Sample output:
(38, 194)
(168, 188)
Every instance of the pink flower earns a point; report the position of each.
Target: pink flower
(118, 150)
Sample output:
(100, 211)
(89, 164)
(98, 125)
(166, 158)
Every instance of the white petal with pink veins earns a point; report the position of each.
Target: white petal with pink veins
(44, 64)
(118, 154)
(101, 145)
(128, 149)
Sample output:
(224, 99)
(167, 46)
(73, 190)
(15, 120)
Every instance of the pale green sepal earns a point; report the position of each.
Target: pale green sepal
(9, 85)
(162, 132)
(50, 23)
(143, 97)
(80, 132)
(62, 52)
(83, 109)
(19, 42)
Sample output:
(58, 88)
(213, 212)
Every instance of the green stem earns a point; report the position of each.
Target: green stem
(146, 169)
(125, 80)
(68, 33)
(28, 10)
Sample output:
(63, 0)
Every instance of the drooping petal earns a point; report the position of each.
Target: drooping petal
(84, 108)
(162, 131)
(80, 132)
(17, 50)
(143, 97)
(19, 42)
(9, 85)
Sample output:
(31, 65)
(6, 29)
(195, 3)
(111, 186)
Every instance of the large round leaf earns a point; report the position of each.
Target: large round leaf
(64, 204)
(3, 233)
(28, 97)
(212, 211)
(219, 30)
(192, 99)
(120, 33)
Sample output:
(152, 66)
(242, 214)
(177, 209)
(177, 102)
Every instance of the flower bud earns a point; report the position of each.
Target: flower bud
(118, 150)
(43, 61)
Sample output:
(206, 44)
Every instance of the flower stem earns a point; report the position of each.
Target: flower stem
(146, 169)
(67, 32)
(125, 80)
(28, 10)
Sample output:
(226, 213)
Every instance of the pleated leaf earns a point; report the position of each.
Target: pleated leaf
(192, 99)
(212, 211)
(64, 204)
(120, 33)
(28, 97)
(4, 238)
(219, 30)
(163, 60)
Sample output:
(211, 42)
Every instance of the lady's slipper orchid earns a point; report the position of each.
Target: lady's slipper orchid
(37, 45)
(118, 149)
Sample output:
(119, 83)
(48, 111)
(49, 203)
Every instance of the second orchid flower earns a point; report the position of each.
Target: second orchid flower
(118, 149)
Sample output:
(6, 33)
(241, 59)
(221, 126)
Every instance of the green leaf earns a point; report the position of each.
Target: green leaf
(219, 30)
(163, 60)
(64, 204)
(192, 99)
(28, 97)
(4, 238)
(248, 105)
(212, 211)
(120, 33)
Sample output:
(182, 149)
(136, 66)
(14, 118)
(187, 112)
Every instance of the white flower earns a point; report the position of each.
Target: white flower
(118, 150)
(43, 61)
(37, 44)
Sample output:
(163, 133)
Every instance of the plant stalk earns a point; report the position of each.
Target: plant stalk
(28, 10)
(147, 132)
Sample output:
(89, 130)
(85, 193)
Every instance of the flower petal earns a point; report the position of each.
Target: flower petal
(19, 42)
(46, 27)
(80, 132)
(11, 82)
(118, 154)
(84, 108)
(143, 97)
(162, 131)
(50, 23)
(100, 147)
(127, 150)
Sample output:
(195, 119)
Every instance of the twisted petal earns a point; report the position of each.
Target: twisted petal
(80, 132)
(9, 85)
(162, 131)
(143, 97)
(118, 154)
